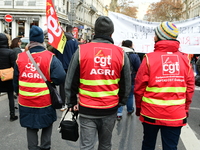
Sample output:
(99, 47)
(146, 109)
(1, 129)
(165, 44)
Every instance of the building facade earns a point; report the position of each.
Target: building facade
(191, 9)
(81, 14)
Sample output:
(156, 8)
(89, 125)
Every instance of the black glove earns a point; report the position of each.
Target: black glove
(137, 113)
(187, 114)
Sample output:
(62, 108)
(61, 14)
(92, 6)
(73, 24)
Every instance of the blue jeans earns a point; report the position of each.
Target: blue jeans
(169, 135)
(90, 128)
(129, 103)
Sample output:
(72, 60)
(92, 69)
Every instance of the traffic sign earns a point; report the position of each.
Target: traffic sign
(8, 18)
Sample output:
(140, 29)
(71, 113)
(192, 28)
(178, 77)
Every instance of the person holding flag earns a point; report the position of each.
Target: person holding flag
(70, 47)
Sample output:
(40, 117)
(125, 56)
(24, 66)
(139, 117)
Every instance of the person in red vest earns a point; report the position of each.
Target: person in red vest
(164, 87)
(99, 73)
(36, 111)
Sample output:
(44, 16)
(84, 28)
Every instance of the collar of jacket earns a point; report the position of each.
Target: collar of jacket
(167, 46)
(103, 37)
(36, 47)
(69, 36)
(126, 49)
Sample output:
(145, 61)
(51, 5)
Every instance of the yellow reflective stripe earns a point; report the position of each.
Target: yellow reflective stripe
(163, 102)
(99, 82)
(28, 84)
(98, 94)
(163, 119)
(34, 94)
(166, 89)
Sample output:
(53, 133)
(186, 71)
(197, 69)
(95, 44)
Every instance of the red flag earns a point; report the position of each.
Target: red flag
(56, 37)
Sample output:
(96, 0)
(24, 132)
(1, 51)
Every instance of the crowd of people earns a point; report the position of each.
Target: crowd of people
(97, 79)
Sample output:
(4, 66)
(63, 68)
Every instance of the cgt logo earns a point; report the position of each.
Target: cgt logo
(170, 65)
(29, 66)
(102, 57)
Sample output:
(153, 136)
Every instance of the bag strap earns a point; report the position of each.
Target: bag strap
(74, 116)
(35, 65)
(64, 116)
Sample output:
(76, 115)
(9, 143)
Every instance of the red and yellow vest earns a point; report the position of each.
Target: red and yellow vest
(166, 90)
(33, 91)
(100, 68)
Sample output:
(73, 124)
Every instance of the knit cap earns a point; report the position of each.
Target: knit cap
(103, 26)
(36, 34)
(167, 31)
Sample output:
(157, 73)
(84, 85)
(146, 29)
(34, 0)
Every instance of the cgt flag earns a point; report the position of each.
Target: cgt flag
(56, 37)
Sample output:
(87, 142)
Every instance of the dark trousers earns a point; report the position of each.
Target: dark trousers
(32, 138)
(62, 92)
(169, 135)
(90, 128)
(11, 102)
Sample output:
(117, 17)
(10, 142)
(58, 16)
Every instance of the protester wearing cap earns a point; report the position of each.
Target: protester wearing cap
(164, 87)
(99, 73)
(34, 100)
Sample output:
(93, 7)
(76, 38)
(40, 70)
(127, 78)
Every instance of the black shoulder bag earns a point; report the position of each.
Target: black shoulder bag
(69, 128)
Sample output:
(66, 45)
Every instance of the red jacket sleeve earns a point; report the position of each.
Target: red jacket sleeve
(141, 82)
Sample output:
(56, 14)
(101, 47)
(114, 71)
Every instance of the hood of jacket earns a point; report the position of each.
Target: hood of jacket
(3, 41)
(69, 36)
(167, 46)
(126, 49)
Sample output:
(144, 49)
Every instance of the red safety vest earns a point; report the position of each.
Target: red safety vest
(100, 68)
(33, 91)
(166, 91)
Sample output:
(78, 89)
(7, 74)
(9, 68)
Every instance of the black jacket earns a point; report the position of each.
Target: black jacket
(7, 60)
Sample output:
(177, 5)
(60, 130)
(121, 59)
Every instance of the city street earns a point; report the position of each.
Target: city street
(127, 134)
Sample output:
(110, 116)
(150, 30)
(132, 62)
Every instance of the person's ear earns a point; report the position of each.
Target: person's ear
(155, 38)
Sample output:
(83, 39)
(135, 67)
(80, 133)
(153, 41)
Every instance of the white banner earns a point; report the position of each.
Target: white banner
(141, 33)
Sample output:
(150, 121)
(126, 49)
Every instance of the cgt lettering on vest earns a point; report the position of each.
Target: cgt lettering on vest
(103, 61)
(171, 68)
(170, 65)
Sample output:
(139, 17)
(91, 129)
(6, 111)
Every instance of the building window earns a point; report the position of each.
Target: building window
(34, 22)
(19, 3)
(7, 3)
(21, 27)
(31, 3)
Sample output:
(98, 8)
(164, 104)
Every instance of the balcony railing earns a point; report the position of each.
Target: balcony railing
(92, 10)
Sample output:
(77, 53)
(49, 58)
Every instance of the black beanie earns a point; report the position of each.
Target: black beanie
(36, 34)
(103, 26)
